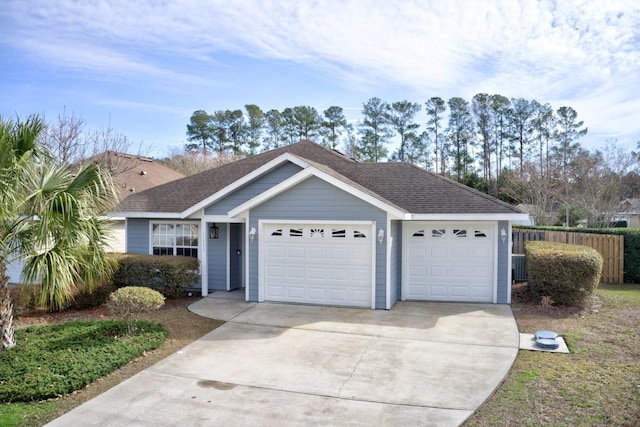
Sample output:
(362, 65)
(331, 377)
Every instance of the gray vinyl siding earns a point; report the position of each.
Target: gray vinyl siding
(217, 260)
(504, 264)
(256, 187)
(316, 200)
(137, 236)
(396, 261)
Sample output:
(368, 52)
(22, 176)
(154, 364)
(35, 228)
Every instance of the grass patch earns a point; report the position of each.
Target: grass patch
(33, 413)
(52, 360)
(173, 316)
(625, 294)
(597, 384)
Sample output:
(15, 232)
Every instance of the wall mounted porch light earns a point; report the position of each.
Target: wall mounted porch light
(380, 236)
(213, 231)
(252, 233)
(503, 235)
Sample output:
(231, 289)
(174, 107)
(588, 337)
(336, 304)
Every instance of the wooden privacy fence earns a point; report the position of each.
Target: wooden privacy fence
(611, 247)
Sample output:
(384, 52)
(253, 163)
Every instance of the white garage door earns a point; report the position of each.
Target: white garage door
(449, 262)
(317, 263)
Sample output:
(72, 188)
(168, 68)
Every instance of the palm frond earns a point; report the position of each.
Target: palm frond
(52, 216)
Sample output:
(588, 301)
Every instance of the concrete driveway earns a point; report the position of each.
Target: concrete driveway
(429, 364)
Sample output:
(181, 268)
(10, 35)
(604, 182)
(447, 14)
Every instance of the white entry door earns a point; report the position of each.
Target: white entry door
(330, 264)
(449, 261)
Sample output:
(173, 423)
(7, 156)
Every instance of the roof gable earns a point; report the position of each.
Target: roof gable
(355, 190)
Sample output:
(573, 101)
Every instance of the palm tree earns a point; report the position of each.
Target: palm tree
(49, 216)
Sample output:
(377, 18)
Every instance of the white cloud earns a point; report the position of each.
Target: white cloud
(434, 44)
(551, 51)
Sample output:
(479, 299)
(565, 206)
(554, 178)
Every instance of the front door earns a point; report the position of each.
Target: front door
(236, 255)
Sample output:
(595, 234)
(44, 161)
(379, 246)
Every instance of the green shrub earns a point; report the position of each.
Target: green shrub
(170, 275)
(52, 360)
(128, 302)
(567, 274)
(83, 299)
(631, 253)
(631, 246)
(24, 298)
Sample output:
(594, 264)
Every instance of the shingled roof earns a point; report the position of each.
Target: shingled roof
(402, 185)
(132, 174)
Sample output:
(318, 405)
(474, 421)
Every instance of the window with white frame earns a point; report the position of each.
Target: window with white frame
(175, 239)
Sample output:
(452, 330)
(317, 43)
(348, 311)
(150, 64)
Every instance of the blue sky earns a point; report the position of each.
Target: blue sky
(142, 67)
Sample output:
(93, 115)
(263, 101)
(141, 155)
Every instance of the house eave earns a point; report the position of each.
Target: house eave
(469, 217)
(141, 214)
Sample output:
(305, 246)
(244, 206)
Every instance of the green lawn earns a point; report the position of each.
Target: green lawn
(172, 317)
(598, 384)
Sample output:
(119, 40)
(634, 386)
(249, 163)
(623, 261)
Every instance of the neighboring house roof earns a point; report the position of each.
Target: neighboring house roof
(133, 174)
(629, 206)
(404, 186)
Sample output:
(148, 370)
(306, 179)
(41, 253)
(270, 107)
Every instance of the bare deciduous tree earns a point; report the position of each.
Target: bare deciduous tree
(71, 142)
(597, 182)
(536, 191)
(190, 163)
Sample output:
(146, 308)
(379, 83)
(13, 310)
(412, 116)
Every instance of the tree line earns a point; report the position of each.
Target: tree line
(455, 137)
(520, 150)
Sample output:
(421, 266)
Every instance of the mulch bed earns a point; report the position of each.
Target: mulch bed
(39, 317)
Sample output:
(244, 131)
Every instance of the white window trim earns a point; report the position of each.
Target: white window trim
(199, 234)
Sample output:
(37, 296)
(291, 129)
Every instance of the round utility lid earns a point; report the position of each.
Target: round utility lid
(548, 344)
(546, 335)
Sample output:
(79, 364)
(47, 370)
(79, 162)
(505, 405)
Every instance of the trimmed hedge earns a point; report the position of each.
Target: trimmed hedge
(128, 302)
(568, 274)
(631, 246)
(169, 275)
(133, 300)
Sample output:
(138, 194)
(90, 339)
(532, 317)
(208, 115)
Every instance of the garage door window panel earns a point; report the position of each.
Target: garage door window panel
(339, 233)
(460, 233)
(317, 233)
(439, 233)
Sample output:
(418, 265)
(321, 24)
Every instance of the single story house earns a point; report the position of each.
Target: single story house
(306, 224)
(628, 211)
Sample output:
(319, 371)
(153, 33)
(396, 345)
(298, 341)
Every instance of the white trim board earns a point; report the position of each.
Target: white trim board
(286, 157)
(468, 217)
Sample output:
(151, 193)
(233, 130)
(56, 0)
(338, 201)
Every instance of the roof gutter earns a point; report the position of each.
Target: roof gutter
(468, 217)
